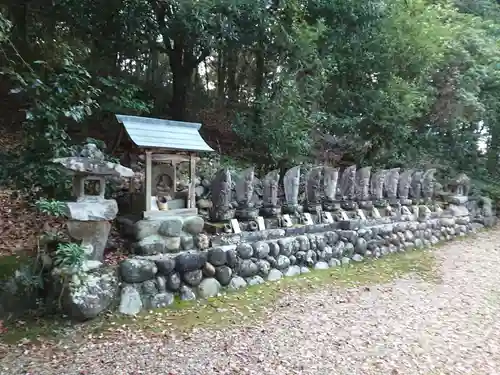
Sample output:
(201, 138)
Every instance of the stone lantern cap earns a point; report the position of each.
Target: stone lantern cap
(91, 165)
(91, 162)
(85, 166)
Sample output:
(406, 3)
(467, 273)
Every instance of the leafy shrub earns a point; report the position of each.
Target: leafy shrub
(69, 255)
(50, 207)
(487, 188)
(58, 90)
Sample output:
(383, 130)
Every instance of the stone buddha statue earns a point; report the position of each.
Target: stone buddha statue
(164, 190)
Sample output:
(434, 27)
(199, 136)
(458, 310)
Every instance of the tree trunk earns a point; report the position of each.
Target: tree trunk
(181, 77)
(178, 104)
(494, 150)
(221, 76)
(19, 16)
(259, 82)
(103, 60)
(232, 86)
(259, 72)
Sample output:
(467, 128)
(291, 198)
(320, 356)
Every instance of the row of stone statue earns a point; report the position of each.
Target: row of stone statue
(325, 188)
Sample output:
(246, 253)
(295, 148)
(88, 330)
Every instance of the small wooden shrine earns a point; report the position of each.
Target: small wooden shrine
(166, 144)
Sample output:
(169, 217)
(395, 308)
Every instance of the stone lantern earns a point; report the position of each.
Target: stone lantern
(90, 216)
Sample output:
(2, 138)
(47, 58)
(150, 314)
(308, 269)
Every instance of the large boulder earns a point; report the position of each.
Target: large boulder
(217, 256)
(165, 264)
(223, 275)
(247, 268)
(130, 301)
(190, 261)
(88, 295)
(209, 288)
(193, 225)
(193, 278)
(146, 228)
(137, 270)
(150, 245)
(171, 227)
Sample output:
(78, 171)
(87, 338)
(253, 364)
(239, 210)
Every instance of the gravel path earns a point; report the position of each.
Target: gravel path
(404, 327)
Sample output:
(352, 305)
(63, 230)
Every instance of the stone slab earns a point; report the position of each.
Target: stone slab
(91, 209)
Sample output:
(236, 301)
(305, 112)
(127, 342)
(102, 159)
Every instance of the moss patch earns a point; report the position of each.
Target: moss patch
(248, 305)
(10, 263)
(243, 307)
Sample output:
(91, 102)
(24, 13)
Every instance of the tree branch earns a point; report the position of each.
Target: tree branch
(160, 9)
(204, 54)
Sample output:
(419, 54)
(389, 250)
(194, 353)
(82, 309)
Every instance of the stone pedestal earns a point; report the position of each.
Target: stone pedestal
(246, 213)
(90, 222)
(220, 214)
(349, 205)
(331, 206)
(380, 203)
(292, 209)
(457, 199)
(424, 213)
(395, 202)
(92, 234)
(270, 211)
(313, 208)
(365, 205)
(456, 211)
(340, 215)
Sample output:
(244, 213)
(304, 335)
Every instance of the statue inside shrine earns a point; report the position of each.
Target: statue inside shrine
(347, 187)
(163, 186)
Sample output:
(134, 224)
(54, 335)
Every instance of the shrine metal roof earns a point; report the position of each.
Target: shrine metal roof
(157, 133)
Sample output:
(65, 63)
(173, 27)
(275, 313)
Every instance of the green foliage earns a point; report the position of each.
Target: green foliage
(58, 90)
(413, 83)
(117, 94)
(284, 111)
(50, 207)
(70, 255)
(5, 26)
(64, 95)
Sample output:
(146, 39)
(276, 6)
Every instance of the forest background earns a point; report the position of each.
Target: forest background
(374, 82)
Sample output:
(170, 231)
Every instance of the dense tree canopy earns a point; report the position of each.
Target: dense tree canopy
(407, 82)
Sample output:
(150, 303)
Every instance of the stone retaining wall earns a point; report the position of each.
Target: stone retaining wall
(252, 258)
